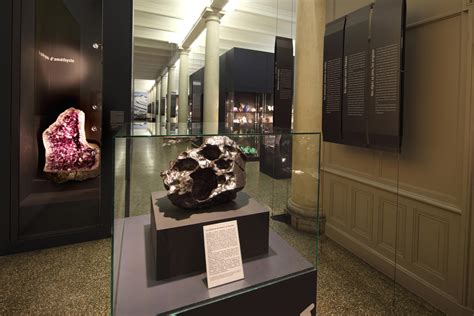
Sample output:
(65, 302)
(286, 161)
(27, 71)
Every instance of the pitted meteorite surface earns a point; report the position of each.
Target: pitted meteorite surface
(210, 174)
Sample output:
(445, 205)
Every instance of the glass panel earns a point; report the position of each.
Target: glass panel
(121, 198)
(361, 226)
(266, 235)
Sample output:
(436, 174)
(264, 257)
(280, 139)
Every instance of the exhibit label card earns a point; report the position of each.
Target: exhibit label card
(222, 251)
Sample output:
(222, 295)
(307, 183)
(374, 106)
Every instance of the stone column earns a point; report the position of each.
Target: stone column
(171, 89)
(211, 72)
(164, 87)
(310, 26)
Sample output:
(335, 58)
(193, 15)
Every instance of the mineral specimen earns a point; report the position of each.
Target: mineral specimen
(210, 174)
(68, 155)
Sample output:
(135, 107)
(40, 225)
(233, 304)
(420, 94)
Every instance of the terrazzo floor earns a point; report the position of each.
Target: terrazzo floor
(76, 279)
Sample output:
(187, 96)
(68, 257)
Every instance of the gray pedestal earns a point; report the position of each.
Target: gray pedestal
(177, 234)
(281, 282)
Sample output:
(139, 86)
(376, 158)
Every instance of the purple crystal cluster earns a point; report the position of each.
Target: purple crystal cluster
(210, 174)
(66, 150)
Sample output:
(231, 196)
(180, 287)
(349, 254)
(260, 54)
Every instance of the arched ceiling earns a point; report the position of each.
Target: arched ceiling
(161, 25)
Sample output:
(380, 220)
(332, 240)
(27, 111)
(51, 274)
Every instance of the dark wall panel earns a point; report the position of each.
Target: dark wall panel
(283, 84)
(196, 84)
(385, 110)
(117, 86)
(6, 12)
(372, 76)
(251, 72)
(162, 106)
(332, 88)
(355, 87)
(174, 102)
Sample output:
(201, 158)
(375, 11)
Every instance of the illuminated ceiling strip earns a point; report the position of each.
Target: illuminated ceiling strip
(196, 30)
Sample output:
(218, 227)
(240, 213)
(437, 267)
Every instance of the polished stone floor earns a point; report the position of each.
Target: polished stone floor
(76, 279)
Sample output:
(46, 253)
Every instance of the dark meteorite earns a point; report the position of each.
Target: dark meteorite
(208, 175)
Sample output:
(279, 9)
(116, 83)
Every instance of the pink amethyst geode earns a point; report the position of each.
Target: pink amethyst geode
(68, 155)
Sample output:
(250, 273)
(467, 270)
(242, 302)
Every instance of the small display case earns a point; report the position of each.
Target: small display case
(168, 187)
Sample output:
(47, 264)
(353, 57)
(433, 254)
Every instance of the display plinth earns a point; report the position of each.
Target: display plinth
(279, 283)
(275, 156)
(177, 234)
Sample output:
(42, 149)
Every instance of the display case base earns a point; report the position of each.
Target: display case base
(177, 234)
(252, 158)
(281, 282)
(271, 164)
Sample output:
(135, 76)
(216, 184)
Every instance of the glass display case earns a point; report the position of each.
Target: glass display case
(248, 112)
(266, 116)
(243, 110)
(196, 94)
(57, 127)
(245, 94)
(275, 156)
(169, 187)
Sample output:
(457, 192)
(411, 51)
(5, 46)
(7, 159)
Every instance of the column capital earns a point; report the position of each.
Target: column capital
(184, 51)
(211, 14)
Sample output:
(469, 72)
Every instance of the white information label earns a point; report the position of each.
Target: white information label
(223, 256)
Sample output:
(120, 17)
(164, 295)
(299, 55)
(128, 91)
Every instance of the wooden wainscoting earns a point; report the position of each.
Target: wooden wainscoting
(416, 205)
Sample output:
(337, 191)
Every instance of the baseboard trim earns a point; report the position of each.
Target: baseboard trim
(405, 278)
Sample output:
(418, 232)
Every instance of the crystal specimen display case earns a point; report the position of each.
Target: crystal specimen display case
(248, 113)
(169, 187)
(57, 127)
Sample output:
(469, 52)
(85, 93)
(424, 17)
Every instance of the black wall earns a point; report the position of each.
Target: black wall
(196, 90)
(283, 82)
(250, 71)
(6, 11)
(245, 70)
(117, 87)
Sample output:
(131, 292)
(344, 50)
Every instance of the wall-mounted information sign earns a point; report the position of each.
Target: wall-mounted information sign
(332, 78)
(355, 81)
(368, 110)
(283, 86)
(386, 75)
